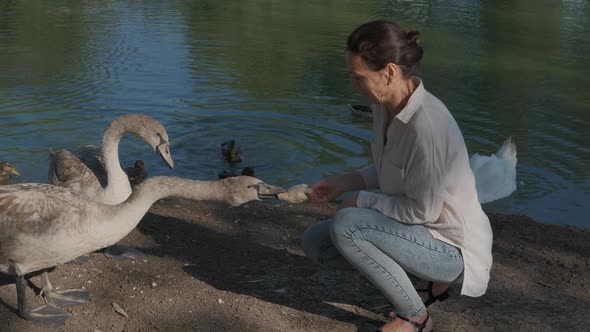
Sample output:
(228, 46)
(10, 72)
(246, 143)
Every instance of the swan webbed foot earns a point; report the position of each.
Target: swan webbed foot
(80, 260)
(122, 252)
(67, 297)
(46, 315)
(64, 297)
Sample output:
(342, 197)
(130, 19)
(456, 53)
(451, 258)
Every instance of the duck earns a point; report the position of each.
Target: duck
(43, 226)
(495, 175)
(362, 110)
(248, 171)
(137, 173)
(231, 151)
(96, 171)
(6, 169)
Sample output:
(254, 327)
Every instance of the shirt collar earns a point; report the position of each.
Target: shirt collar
(415, 100)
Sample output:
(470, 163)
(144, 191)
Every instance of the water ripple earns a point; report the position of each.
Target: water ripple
(273, 77)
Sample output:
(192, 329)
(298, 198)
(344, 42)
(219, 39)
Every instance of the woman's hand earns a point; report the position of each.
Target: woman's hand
(329, 188)
(324, 191)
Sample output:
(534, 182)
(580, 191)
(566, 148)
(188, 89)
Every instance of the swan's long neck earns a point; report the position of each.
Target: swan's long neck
(125, 216)
(110, 154)
(156, 188)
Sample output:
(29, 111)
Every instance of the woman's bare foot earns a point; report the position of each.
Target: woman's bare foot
(399, 325)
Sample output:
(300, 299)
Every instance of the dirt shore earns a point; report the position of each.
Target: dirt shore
(209, 267)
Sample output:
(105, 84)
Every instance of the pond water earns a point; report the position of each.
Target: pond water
(272, 76)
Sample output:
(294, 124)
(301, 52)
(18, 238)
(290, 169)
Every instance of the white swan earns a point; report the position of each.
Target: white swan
(495, 175)
(96, 172)
(42, 226)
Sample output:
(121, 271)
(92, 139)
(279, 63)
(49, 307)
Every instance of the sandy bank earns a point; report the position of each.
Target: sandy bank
(209, 267)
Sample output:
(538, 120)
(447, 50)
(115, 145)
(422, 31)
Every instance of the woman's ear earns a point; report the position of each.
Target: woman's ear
(393, 72)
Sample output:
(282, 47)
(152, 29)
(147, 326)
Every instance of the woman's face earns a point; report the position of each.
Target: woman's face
(372, 84)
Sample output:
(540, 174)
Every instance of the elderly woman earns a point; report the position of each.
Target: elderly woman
(425, 223)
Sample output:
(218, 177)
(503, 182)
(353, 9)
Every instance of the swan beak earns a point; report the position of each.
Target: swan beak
(164, 152)
(15, 172)
(268, 191)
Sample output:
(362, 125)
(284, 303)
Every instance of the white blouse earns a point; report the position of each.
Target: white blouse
(424, 177)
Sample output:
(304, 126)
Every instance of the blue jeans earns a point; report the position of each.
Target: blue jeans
(385, 251)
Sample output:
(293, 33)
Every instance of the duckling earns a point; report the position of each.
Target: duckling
(6, 169)
(231, 151)
(137, 173)
(226, 174)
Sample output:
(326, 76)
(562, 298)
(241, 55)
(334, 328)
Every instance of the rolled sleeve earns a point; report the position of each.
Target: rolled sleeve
(365, 199)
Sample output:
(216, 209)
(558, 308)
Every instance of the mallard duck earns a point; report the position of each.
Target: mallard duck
(495, 175)
(361, 110)
(137, 173)
(6, 169)
(43, 226)
(96, 172)
(226, 174)
(231, 151)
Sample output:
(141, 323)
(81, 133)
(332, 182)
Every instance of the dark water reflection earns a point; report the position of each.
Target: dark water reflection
(271, 75)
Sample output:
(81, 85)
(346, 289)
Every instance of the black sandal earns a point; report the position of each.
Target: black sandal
(431, 298)
(419, 326)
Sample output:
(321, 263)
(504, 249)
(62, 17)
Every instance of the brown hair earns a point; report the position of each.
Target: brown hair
(381, 42)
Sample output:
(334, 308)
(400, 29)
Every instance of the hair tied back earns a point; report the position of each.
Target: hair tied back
(413, 37)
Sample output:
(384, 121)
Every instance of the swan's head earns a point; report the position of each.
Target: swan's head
(152, 132)
(8, 168)
(243, 189)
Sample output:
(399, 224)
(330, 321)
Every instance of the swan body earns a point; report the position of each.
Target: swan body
(96, 172)
(43, 225)
(495, 175)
